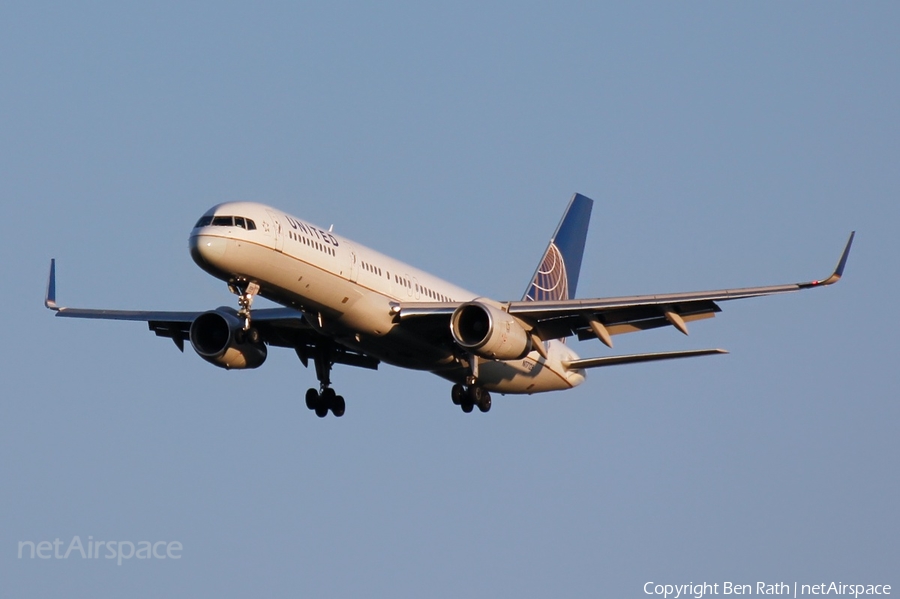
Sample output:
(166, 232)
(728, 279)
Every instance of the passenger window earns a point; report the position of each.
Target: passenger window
(223, 221)
(239, 222)
(203, 222)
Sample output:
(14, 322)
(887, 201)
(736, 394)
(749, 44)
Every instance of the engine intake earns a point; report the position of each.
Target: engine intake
(489, 332)
(218, 337)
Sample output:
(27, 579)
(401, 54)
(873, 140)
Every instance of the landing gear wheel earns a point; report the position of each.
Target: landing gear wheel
(338, 407)
(485, 403)
(321, 411)
(457, 394)
(252, 335)
(312, 399)
(475, 395)
(469, 397)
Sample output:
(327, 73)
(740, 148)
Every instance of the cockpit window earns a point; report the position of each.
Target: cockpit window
(226, 221)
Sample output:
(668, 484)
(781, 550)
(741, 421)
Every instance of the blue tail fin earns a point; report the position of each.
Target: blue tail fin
(556, 276)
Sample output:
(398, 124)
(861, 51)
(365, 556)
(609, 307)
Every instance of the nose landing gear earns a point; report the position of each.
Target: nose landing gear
(245, 292)
(467, 397)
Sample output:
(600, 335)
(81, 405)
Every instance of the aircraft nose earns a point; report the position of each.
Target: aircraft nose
(207, 250)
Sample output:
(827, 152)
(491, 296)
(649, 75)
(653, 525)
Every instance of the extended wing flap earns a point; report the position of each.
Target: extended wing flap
(633, 326)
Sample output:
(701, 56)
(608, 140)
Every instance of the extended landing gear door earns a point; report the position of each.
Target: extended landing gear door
(276, 231)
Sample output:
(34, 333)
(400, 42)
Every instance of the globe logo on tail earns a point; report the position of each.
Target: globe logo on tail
(550, 281)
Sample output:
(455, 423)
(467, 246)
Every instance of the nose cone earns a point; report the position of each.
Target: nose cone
(207, 250)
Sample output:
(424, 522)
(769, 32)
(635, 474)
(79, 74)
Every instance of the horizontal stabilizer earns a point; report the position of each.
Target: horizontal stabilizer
(634, 358)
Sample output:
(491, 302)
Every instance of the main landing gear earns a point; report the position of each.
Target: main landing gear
(467, 397)
(326, 399)
(320, 403)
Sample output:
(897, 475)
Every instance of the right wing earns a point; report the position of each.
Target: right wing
(603, 317)
(588, 318)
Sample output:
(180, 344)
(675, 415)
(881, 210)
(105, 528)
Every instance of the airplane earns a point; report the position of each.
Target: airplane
(343, 303)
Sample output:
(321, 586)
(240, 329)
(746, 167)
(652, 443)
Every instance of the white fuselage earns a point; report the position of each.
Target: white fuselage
(347, 292)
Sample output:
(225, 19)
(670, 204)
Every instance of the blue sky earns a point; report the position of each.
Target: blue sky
(723, 144)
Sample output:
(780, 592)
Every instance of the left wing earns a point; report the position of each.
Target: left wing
(175, 325)
(604, 317)
(282, 327)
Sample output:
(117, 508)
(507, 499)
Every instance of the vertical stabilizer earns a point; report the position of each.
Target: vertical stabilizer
(556, 276)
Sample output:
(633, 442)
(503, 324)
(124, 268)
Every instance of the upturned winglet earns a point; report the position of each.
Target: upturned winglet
(838, 271)
(50, 297)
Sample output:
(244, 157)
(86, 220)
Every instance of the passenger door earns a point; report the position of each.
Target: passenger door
(354, 263)
(276, 231)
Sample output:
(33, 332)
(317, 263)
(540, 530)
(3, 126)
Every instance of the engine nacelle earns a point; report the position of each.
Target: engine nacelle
(218, 337)
(489, 332)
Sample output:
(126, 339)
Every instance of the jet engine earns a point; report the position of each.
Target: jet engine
(489, 332)
(218, 337)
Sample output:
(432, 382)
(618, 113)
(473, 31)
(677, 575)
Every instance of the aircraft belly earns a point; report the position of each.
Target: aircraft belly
(399, 348)
(528, 375)
(517, 377)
